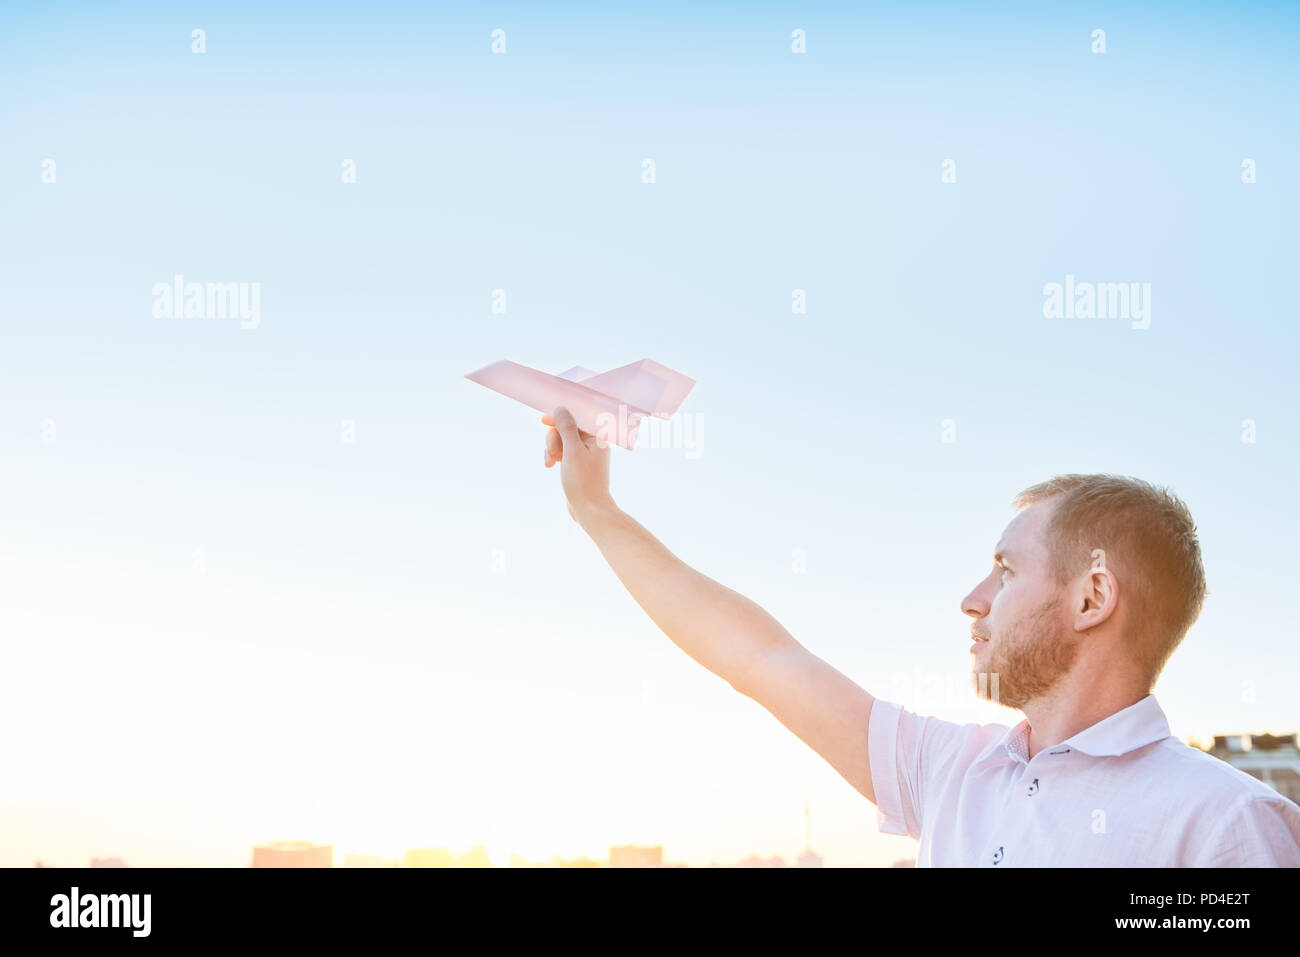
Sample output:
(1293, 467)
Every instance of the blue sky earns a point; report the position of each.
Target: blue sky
(352, 585)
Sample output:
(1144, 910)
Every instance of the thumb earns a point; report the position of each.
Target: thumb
(566, 426)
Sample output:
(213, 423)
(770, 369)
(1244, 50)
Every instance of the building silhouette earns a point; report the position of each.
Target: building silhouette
(633, 855)
(293, 854)
(429, 857)
(443, 857)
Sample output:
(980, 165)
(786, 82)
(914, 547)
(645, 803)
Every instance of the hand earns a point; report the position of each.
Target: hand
(584, 470)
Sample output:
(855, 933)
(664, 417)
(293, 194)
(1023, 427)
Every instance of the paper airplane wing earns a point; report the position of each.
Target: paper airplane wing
(646, 385)
(625, 395)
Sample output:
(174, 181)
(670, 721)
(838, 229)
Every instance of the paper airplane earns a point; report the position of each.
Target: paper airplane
(609, 405)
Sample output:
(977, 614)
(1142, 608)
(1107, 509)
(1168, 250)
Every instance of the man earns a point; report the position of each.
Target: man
(1093, 585)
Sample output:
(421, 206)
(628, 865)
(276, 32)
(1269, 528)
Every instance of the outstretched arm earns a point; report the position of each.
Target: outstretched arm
(724, 631)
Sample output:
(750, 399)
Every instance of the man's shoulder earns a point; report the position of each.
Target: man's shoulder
(1223, 816)
(1199, 776)
(1242, 822)
(935, 736)
(935, 725)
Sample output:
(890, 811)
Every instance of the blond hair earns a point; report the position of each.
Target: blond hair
(1146, 534)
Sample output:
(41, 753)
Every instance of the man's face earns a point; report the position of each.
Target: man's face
(1019, 608)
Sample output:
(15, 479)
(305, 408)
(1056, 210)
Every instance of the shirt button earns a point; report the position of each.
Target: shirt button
(998, 854)
(1033, 789)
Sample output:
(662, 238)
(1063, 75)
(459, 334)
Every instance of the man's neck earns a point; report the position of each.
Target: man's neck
(1061, 714)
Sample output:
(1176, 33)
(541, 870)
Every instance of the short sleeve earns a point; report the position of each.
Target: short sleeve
(1258, 832)
(914, 757)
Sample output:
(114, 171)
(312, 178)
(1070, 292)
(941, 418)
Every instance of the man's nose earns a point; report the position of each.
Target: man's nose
(975, 605)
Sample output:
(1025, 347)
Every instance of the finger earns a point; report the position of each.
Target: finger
(554, 447)
(550, 420)
(566, 426)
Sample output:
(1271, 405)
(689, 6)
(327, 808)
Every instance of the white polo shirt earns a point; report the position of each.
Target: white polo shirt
(1122, 793)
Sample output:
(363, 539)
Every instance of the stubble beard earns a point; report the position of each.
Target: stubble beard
(1029, 660)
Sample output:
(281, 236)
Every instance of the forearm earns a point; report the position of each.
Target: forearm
(723, 630)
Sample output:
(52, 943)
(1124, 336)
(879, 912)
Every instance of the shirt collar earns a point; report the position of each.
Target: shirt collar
(1126, 730)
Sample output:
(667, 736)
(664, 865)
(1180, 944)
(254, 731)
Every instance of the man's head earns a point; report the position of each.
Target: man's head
(1094, 572)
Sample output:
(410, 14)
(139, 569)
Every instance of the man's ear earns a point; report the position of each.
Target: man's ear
(1095, 597)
